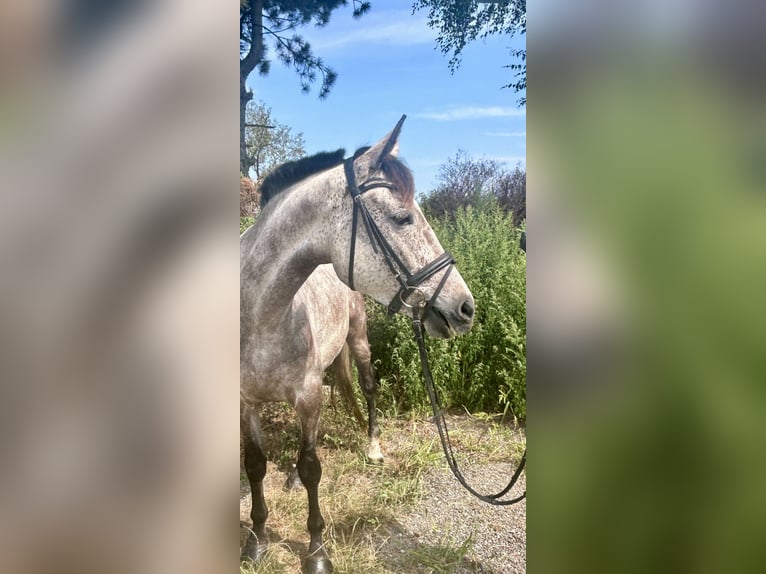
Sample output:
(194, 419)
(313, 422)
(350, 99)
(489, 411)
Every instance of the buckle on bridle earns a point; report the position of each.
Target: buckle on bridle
(412, 298)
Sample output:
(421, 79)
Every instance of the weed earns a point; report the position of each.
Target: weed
(444, 557)
(484, 370)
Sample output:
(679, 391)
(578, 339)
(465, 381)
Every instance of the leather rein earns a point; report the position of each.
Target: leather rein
(411, 297)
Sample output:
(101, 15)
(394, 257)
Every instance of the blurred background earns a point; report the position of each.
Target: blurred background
(646, 274)
(118, 289)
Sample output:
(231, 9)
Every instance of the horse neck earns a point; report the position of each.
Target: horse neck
(288, 243)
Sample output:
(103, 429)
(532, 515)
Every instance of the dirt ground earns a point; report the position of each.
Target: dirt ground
(408, 515)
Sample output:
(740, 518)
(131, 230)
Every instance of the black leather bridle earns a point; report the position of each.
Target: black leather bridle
(409, 294)
(411, 297)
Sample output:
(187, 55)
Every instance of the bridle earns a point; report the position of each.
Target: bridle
(409, 294)
(411, 297)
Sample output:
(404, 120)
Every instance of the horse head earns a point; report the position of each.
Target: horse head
(386, 248)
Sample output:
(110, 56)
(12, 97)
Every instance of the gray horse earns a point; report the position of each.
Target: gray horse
(306, 223)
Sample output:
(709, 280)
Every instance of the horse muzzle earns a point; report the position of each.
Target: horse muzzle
(450, 320)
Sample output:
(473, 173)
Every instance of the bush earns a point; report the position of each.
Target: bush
(245, 222)
(486, 369)
(464, 181)
(249, 198)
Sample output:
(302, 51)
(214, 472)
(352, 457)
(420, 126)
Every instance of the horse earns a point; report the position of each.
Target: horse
(311, 209)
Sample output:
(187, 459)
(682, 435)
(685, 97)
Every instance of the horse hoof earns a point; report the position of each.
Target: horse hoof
(317, 565)
(254, 552)
(375, 458)
(293, 481)
(374, 455)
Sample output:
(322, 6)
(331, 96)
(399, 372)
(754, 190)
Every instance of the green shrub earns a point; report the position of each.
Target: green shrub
(486, 369)
(245, 222)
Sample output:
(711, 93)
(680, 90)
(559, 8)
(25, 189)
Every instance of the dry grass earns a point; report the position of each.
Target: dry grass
(361, 502)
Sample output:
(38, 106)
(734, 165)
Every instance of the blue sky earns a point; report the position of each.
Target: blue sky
(388, 65)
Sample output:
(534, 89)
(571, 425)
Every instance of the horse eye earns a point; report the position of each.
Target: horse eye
(405, 219)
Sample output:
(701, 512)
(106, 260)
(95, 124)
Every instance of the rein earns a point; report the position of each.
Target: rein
(441, 424)
(411, 297)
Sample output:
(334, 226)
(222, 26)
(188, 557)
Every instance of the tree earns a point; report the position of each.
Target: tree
(459, 22)
(511, 193)
(520, 67)
(269, 143)
(464, 181)
(264, 23)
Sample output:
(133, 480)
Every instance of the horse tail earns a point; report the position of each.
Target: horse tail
(342, 378)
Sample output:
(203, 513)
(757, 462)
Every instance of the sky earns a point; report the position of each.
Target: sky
(388, 65)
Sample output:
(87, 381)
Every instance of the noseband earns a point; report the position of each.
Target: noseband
(409, 294)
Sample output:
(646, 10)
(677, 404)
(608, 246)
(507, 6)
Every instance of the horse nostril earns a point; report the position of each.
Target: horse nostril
(467, 309)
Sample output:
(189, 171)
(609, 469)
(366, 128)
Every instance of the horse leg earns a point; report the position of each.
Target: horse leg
(255, 467)
(359, 346)
(310, 472)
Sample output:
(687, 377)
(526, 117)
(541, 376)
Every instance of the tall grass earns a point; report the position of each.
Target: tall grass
(486, 369)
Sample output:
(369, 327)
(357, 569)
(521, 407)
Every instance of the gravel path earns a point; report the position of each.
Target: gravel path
(496, 534)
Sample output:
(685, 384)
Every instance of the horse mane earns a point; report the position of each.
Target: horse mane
(398, 173)
(292, 172)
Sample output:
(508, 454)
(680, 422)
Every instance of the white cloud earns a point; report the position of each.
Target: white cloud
(387, 28)
(457, 113)
(506, 134)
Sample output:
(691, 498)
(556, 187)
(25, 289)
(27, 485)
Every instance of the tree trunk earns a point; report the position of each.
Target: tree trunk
(245, 95)
(247, 64)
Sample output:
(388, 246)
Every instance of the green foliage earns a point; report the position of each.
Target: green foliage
(273, 24)
(459, 23)
(520, 67)
(486, 369)
(245, 222)
(445, 557)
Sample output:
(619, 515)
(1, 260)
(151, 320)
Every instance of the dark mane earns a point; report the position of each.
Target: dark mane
(398, 173)
(292, 172)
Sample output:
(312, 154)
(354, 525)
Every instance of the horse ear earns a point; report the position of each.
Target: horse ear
(370, 160)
